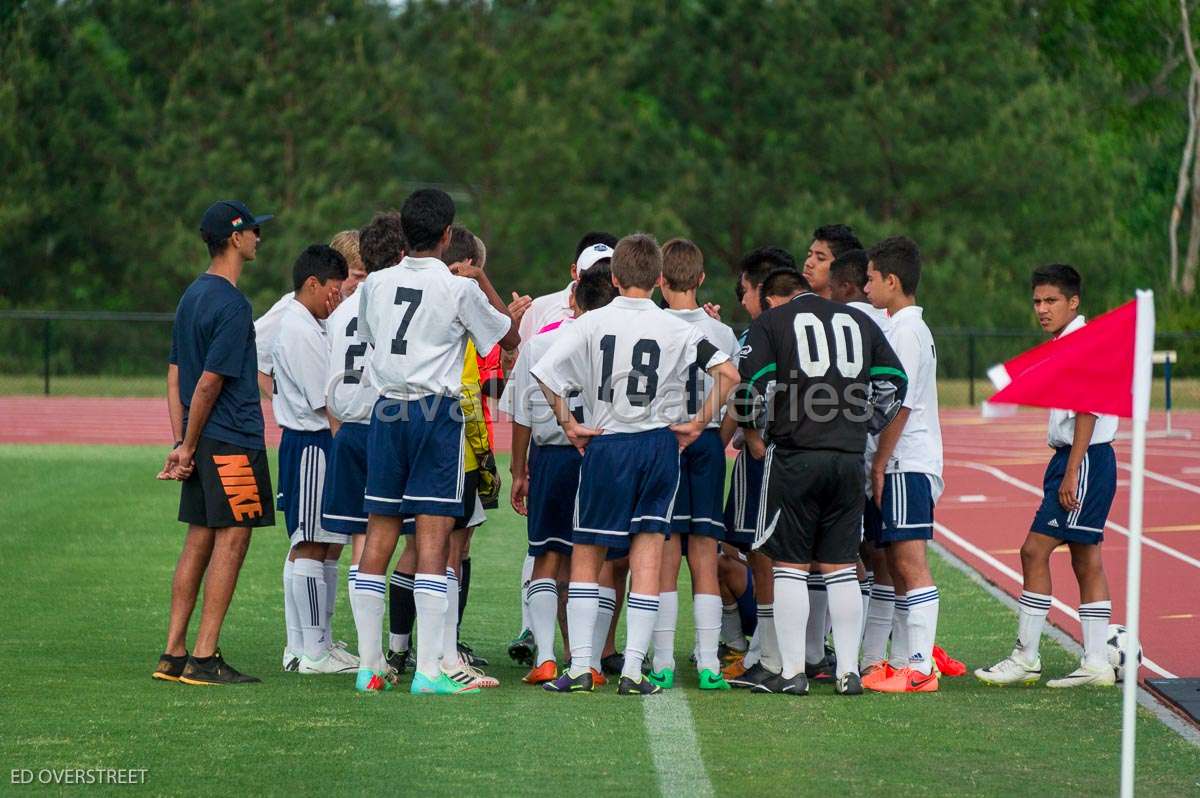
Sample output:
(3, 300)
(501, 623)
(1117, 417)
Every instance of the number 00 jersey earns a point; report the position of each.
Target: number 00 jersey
(823, 370)
(351, 391)
(631, 360)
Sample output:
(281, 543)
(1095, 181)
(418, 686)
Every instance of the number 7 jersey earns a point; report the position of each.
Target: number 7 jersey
(630, 360)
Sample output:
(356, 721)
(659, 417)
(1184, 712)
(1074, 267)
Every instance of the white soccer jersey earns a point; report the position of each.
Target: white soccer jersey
(418, 316)
(348, 385)
(920, 445)
(524, 399)
(301, 363)
(545, 310)
(1061, 431)
(631, 360)
(719, 335)
(884, 322)
(266, 329)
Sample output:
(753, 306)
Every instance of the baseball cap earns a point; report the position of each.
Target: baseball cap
(226, 217)
(588, 258)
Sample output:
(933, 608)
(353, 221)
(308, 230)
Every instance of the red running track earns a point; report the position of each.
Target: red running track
(993, 485)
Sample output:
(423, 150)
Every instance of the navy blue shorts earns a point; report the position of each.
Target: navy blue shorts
(747, 606)
(346, 481)
(907, 509)
(1097, 487)
(415, 458)
(553, 482)
(745, 499)
(627, 485)
(698, 509)
(302, 461)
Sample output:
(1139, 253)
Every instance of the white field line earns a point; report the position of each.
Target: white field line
(1166, 480)
(674, 747)
(970, 547)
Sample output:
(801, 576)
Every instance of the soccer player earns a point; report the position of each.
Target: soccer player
(631, 361)
(698, 515)
(906, 473)
(829, 242)
(545, 468)
(419, 318)
(739, 612)
(220, 454)
(301, 366)
(1079, 485)
(834, 374)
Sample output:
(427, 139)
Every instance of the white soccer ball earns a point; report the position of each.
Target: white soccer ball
(1117, 637)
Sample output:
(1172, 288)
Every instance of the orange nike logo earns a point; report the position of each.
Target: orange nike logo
(237, 478)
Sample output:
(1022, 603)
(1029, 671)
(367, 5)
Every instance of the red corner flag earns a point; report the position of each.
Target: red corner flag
(1088, 370)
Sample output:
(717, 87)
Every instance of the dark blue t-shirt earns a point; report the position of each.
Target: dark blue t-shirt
(214, 331)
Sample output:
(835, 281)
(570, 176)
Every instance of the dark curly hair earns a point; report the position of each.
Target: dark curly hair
(381, 243)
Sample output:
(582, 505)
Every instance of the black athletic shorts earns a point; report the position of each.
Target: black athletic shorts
(230, 486)
(814, 506)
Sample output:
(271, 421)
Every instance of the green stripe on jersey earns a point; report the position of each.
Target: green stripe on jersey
(875, 370)
(767, 369)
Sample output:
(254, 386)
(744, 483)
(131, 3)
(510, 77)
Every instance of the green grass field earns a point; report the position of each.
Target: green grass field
(90, 541)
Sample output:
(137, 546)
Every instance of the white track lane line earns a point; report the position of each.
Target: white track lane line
(1036, 491)
(674, 746)
(1166, 480)
(968, 546)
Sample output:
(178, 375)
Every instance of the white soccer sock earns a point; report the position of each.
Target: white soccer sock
(641, 610)
(900, 646)
(878, 625)
(768, 641)
(331, 591)
(1093, 618)
(366, 603)
(583, 605)
(818, 608)
(291, 616)
(1031, 619)
(754, 650)
(526, 575)
(731, 627)
(706, 612)
(864, 587)
(450, 631)
(604, 616)
(791, 618)
(543, 612)
(309, 594)
(922, 604)
(429, 596)
(664, 631)
(845, 608)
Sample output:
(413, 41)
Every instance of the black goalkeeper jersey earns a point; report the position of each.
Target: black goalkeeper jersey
(822, 373)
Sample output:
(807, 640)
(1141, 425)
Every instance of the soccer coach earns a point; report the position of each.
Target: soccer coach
(220, 453)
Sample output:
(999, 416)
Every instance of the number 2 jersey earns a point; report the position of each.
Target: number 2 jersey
(351, 390)
(631, 360)
(824, 371)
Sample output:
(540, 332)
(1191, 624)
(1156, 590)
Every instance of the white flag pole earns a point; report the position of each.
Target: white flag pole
(1143, 349)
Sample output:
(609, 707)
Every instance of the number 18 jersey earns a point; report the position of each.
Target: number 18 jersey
(630, 360)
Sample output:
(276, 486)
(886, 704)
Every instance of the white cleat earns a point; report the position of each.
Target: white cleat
(340, 652)
(1011, 670)
(1087, 676)
(326, 664)
(291, 660)
(469, 676)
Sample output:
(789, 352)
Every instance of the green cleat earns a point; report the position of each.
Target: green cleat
(442, 685)
(664, 678)
(371, 682)
(713, 680)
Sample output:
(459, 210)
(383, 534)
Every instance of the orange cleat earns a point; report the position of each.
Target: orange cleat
(546, 672)
(905, 680)
(876, 672)
(946, 664)
(598, 679)
(734, 669)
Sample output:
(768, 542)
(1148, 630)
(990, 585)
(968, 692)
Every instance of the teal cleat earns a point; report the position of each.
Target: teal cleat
(713, 681)
(442, 685)
(369, 681)
(664, 678)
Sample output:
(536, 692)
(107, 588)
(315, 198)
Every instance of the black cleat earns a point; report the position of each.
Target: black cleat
(398, 660)
(797, 685)
(613, 664)
(755, 675)
(520, 650)
(565, 684)
(848, 684)
(823, 672)
(215, 670)
(642, 686)
(170, 668)
(470, 657)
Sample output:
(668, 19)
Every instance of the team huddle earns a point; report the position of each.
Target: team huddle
(379, 366)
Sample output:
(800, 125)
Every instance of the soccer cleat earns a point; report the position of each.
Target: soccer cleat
(664, 678)
(598, 678)
(369, 681)
(170, 668)
(613, 664)
(642, 686)
(546, 672)
(343, 653)
(468, 655)
(328, 663)
(906, 680)
(468, 676)
(713, 680)
(848, 684)
(566, 683)
(823, 672)
(734, 669)
(754, 675)
(397, 660)
(777, 684)
(1087, 676)
(876, 672)
(520, 650)
(291, 660)
(216, 671)
(727, 653)
(946, 664)
(442, 685)
(1011, 670)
